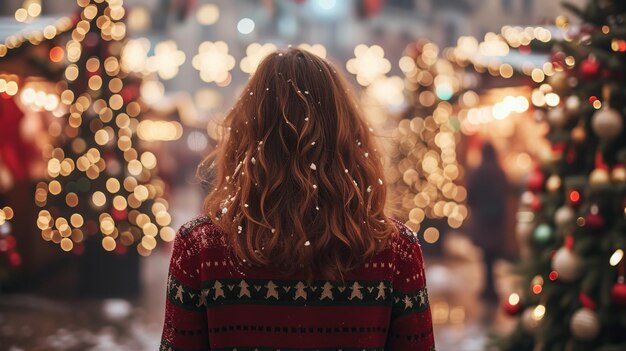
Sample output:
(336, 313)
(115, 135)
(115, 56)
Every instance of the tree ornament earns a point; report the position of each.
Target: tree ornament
(512, 306)
(557, 117)
(531, 321)
(590, 68)
(553, 183)
(599, 177)
(527, 198)
(567, 264)
(593, 219)
(618, 292)
(607, 123)
(572, 105)
(535, 181)
(578, 134)
(618, 174)
(536, 205)
(585, 324)
(564, 216)
(559, 82)
(542, 233)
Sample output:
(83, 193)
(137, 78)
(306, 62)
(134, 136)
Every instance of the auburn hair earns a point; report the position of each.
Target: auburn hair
(297, 182)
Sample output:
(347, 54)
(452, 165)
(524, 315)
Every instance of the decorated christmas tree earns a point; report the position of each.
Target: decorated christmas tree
(425, 173)
(573, 216)
(102, 187)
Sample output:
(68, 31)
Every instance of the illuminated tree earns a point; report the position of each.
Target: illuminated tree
(573, 215)
(102, 187)
(426, 172)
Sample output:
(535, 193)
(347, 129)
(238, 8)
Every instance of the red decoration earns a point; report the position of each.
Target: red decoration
(511, 309)
(594, 221)
(569, 242)
(536, 205)
(586, 301)
(590, 68)
(535, 181)
(119, 215)
(369, 8)
(558, 60)
(15, 260)
(574, 197)
(554, 275)
(618, 293)
(15, 153)
(56, 54)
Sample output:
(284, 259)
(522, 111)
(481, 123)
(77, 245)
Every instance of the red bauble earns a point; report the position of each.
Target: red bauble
(594, 221)
(590, 68)
(536, 204)
(119, 215)
(535, 181)
(618, 294)
(586, 301)
(511, 310)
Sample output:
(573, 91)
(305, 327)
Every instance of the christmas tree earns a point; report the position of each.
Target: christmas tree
(426, 174)
(102, 187)
(573, 215)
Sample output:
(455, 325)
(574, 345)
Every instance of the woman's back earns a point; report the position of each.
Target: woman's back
(296, 250)
(213, 303)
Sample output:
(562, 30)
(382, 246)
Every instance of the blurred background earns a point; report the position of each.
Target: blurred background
(108, 106)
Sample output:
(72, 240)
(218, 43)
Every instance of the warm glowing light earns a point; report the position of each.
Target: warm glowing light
(539, 312)
(208, 14)
(254, 54)
(616, 257)
(368, 64)
(213, 61)
(514, 299)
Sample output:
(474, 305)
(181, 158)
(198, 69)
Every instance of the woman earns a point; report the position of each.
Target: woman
(295, 251)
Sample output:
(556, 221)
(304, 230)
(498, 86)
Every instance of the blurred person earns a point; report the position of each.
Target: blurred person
(295, 250)
(486, 197)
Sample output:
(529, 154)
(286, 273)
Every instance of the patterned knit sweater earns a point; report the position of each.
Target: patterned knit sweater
(214, 304)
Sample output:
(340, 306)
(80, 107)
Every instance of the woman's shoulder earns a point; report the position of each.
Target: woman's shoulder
(200, 231)
(405, 236)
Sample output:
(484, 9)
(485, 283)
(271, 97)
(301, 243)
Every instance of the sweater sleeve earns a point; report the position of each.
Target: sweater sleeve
(185, 326)
(411, 322)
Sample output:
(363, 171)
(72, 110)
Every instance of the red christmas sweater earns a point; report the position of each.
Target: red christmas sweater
(214, 304)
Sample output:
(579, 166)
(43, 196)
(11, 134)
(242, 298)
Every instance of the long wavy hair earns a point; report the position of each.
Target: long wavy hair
(297, 182)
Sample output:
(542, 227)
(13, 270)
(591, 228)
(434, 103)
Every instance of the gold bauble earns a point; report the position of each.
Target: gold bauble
(553, 183)
(618, 174)
(599, 177)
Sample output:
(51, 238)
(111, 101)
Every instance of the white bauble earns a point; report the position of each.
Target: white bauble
(572, 104)
(566, 264)
(607, 123)
(527, 198)
(524, 230)
(564, 216)
(585, 324)
(529, 323)
(557, 117)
